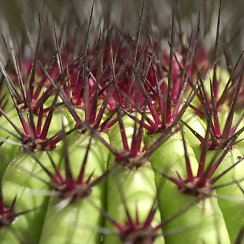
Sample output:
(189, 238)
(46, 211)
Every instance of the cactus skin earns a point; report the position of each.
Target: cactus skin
(135, 185)
(78, 220)
(231, 210)
(18, 180)
(204, 212)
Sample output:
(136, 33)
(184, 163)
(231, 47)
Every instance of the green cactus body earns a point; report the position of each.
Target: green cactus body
(78, 221)
(230, 197)
(202, 223)
(134, 185)
(198, 125)
(138, 190)
(8, 151)
(85, 97)
(32, 194)
(203, 220)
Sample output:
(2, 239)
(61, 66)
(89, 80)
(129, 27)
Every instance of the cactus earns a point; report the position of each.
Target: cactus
(107, 138)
